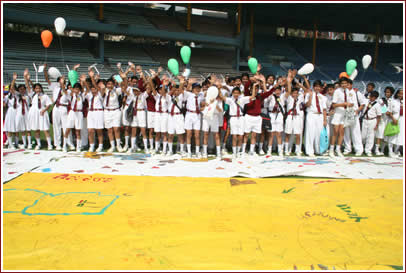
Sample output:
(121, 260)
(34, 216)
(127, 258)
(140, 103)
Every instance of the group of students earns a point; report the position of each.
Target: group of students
(255, 109)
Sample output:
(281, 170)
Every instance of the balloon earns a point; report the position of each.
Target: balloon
(185, 53)
(354, 74)
(366, 61)
(253, 65)
(173, 66)
(344, 75)
(350, 66)
(46, 37)
(73, 77)
(186, 73)
(54, 73)
(306, 69)
(60, 25)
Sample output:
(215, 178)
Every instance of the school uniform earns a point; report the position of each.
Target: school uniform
(37, 121)
(59, 112)
(353, 132)
(330, 114)
(126, 104)
(340, 96)
(95, 115)
(75, 115)
(176, 120)
(22, 122)
(193, 112)
(253, 119)
(139, 113)
(236, 107)
(112, 111)
(161, 113)
(384, 119)
(150, 111)
(10, 118)
(276, 111)
(396, 108)
(371, 112)
(294, 123)
(212, 124)
(314, 122)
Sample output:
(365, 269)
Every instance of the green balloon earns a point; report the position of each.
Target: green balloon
(173, 66)
(185, 53)
(73, 77)
(253, 65)
(350, 66)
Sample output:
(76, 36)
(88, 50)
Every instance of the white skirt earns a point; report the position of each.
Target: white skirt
(22, 122)
(38, 122)
(10, 120)
(381, 127)
(398, 139)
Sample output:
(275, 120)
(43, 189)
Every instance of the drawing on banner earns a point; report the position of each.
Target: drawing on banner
(347, 209)
(316, 161)
(82, 178)
(50, 204)
(236, 182)
(289, 190)
(309, 214)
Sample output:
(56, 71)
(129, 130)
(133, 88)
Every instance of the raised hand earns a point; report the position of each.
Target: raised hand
(160, 70)
(14, 76)
(62, 80)
(119, 66)
(91, 73)
(82, 78)
(26, 73)
(76, 66)
(138, 69)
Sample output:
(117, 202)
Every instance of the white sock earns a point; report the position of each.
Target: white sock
(182, 147)
(252, 148)
(234, 150)
(157, 146)
(16, 140)
(127, 138)
(101, 145)
(270, 149)
(49, 141)
(397, 149)
(112, 144)
(118, 142)
(223, 146)
(151, 143)
(338, 148)
(24, 140)
(331, 147)
(376, 148)
(244, 145)
(280, 148)
(78, 144)
(177, 146)
(197, 148)
(29, 140)
(218, 150)
(65, 141)
(38, 141)
(260, 146)
(145, 144)
(164, 147)
(189, 148)
(286, 146)
(133, 142)
(205, 149)
(92, 146)
(390, 146)
(170, 147)
(296, 148)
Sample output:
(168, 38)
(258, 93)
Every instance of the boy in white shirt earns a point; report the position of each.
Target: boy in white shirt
(75, 117)
(276, 109)
(371, 118)
(176, 120)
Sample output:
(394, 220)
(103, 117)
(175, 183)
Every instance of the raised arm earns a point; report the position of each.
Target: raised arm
(27, 80)
(289, 80)
(46, 74)
(13, 83)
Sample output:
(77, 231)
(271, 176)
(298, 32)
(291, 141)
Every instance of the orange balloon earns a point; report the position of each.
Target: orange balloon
(46, 37)
(344, 75)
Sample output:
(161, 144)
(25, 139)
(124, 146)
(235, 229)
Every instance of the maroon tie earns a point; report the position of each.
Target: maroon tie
(345, 98)
(75, 105)
(238, 109)
(59, 97)
(92, 104)
(15, 103)
(39, 102)
(294, 108)
(401, 108)
(136, 106)
(197, 106)
(318, 104)
(173, 108)
(23, 105)
(108, 98)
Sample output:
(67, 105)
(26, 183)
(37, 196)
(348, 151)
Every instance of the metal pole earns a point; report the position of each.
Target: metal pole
(189, 17)
(239, 19)
(314, 44)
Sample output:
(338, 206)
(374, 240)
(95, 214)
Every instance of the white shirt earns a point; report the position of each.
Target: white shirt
(313, 107)
(27, 102)
(394, 108)
(113, 98)
(375, 110)
(190, 99)
(55, 87)
(162, 103)
(241, 101)
(78, 100)
(45, 101)
(341, 96)
(329, 102)
(290, 101)
(272, 104)
(179, 101)
(97, 102)
(141, 102)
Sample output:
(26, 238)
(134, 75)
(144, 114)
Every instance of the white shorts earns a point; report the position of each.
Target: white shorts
(150, 120)
(211, 125)
(220, 118)
(192, 121)
(252, 124)
(139, 120)
(338, 118)
(176, 124)
(112, 118)
(277, 122)
(161, 122)
(237, 126)
(124, 120)
(75, 120)
(95, 120)
(293, 125)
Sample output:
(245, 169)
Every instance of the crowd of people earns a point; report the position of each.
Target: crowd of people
(258, 114)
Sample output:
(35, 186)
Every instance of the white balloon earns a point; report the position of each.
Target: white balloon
(306, 69)
(366, 61)
(212, 93)
(60, 25)
(186, 73)
(354, 74)
(54, 73)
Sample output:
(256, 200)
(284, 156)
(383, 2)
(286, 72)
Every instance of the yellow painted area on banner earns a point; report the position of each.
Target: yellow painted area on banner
(102, 222)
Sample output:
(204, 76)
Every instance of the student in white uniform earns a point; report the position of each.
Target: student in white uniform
(211, 124)
(340, 103)
(276, 106)
(329, 109)
(95, 115)
(236, 104)
(162, 100)
(384, 102)
(23, 107)
(316, 118)
(127, 99)
(395, 113)
(371, 117)
(112, 112)
(193, 117)
(176, 120)
(75, 117)
(293, 124)
(353, 133)
(10, 125)
(38, 115)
